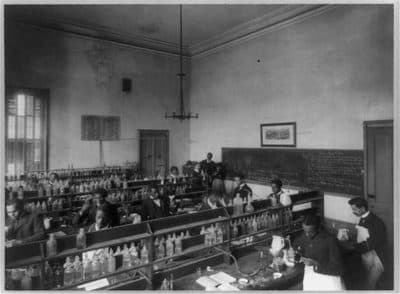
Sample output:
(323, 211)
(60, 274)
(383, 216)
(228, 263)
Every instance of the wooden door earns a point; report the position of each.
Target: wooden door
(154, 152)
(379, 181)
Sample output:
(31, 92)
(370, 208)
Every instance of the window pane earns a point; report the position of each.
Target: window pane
(10, 169)
(29, 105)
(37, 107)
(20, 127)
(21, 104)
(37, 128)
(37, 151)
(12, 105)
(29, 127)
(11, 127)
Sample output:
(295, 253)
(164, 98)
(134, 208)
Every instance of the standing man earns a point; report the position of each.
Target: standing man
(371, 241)
(209, 168)
(278, 196)
(321, 256)
(22, 226)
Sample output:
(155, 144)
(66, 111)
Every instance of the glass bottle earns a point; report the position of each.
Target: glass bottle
(87, 268)
(178, 244)
(144, 255)
(126, 257)
(51, 246)
(111, 262)
(68, 272)
(133, 254)
(26, 282)
(78, 270)
(96, 270)
(81, 239)
(48, 277)
(235, 231)
(169, 246)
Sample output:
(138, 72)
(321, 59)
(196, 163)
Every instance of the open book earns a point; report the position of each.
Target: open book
(217, 282)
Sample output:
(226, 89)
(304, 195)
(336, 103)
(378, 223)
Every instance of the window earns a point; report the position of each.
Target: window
(26, 130)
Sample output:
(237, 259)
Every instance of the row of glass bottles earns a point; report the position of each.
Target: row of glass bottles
(45, 206)
(28, 278)
(169, 245)
(266, 220)
(213, 234)
(93, 266)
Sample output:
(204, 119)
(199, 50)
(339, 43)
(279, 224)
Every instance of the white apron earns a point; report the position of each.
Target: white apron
(313, 281)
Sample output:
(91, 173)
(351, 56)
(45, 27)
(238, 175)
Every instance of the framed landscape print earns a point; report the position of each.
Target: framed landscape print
(278, 134)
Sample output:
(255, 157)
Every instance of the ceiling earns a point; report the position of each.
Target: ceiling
(157, 26)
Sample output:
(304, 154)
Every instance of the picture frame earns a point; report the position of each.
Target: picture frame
(278, 134)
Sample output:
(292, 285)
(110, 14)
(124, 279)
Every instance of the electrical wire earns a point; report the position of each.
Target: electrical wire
(237, 265)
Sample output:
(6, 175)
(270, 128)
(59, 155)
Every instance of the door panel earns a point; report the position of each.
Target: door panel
(154, 152)
(379, 177)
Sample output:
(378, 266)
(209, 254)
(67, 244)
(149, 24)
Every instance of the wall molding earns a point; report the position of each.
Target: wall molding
(279, 24)
(272, 21)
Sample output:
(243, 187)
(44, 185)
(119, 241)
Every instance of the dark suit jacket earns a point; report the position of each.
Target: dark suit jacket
(377, 236)
(244, 192)
(89, 216)
(150, 210)
(27, 228)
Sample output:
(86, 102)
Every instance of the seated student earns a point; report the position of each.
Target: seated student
(321, 256)
(242, 189)
(211, 202)
(278, 196)
(197, 178)
(153, 206)
(87, 214)
(22, 226)
(173, 173)
(100, 221)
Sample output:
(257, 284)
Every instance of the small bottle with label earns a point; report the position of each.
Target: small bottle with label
(78, 269)
(81, 239)
(68, 272)
(144, 255)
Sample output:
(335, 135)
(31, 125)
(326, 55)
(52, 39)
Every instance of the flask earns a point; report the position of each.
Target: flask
(187, 234)
(87, 267)
(81, 239)
(51, 245)
(160, 251)
(219, 235)
(44, 206)
(255, 225)
(235, 231)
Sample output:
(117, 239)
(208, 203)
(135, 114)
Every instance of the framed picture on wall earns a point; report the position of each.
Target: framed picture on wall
(278, 134)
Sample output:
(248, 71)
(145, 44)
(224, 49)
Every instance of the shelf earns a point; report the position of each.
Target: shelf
(191, 249)
(99, 245)
(307, 200)
(190, 226)
(118, 271)
(24, 262)
(259, 232)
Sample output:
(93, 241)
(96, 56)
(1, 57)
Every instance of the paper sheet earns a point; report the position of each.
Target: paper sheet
(207, 282)
(223, 278)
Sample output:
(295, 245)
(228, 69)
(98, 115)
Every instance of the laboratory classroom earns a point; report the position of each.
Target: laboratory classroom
(200, 146)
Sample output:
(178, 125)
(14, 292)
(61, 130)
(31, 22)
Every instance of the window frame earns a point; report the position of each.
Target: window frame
(44, 95)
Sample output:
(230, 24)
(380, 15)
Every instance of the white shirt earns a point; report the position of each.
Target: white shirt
(213, 206)
(365, 214)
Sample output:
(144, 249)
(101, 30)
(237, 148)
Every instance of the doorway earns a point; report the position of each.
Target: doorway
(378, 161)
(154, 152)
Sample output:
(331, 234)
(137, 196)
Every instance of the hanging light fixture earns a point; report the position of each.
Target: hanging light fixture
(182, 115)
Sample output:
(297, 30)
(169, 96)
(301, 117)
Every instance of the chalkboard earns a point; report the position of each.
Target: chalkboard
(337, 171)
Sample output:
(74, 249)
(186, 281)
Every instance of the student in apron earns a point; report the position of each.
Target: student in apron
(321, 257)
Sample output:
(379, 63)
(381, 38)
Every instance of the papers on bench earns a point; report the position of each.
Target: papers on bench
(217, 282)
